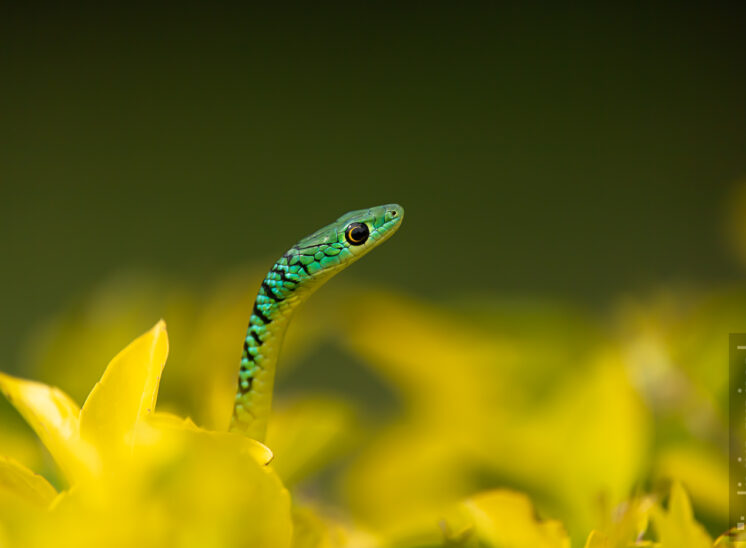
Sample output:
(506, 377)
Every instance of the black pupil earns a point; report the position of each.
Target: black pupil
(357, 233)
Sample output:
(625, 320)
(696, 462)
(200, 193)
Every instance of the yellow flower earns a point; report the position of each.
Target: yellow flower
(137, 477)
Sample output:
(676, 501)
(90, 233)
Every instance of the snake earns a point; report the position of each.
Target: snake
(292, 279)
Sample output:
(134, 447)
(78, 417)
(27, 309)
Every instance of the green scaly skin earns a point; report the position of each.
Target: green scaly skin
(302, 270)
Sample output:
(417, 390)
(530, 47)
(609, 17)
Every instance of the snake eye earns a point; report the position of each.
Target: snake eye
(357, 233)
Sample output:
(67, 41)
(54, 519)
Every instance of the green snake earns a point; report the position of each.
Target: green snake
(299, 272)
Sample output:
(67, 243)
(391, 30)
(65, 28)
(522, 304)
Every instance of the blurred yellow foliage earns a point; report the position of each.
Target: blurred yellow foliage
(513, 425)
(504, 518)
(137, 478)
(464, 420)
(676, 525)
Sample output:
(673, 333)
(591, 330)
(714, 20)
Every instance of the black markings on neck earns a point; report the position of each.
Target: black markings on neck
(246, 390)
(246, 354)
(283, 275)
(258, 313)
(271, 294)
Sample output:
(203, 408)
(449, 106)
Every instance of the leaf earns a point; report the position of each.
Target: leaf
(704, 473)
(54, 418)
(677, 527)
(597, 540)
(22, 482)
(126, 393)
(506, 519)
(232, 442)
(181, 486)
(625, 524)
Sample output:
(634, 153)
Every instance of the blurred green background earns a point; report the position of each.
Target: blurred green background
(577, 153)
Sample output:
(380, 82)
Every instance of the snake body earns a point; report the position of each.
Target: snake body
(299, 272)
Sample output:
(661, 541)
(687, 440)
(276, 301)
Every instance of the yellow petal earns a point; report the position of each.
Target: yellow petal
(229, 441)
(677, 527)
(506, 518)
(54, 418)
(126, 393)
(597, 540)
(703, 472)
(626, 523)
(181, 486)
(23, 483)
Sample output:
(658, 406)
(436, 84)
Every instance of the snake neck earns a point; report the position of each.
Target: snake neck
(298, 273)
(283, 289)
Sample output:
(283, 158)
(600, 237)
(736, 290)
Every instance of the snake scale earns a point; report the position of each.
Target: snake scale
(294, 277)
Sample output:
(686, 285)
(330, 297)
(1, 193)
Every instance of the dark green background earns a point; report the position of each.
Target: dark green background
(574, 154)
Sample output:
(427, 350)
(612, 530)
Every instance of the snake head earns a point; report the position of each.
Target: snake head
(348, 238)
